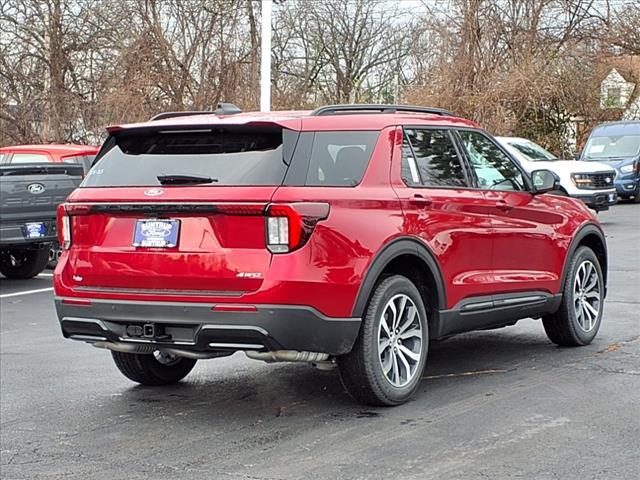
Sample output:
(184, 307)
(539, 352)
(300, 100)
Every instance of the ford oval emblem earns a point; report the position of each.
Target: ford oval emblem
(36, 188)
(154, 192)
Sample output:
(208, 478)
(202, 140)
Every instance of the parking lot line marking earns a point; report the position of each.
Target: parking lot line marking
(28, 292)
(45, 274)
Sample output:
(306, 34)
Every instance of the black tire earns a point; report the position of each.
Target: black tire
(361, 369)
(147, 370)
(563, 327)
(636, 199)
(54, 255)
(22, 264)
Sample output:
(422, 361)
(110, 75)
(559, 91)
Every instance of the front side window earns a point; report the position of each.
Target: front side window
(429, 158)
(494, 169)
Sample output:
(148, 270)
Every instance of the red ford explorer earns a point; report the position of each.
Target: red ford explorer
(349, 236)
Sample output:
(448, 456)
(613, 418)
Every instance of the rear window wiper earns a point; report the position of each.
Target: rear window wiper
(184, 179)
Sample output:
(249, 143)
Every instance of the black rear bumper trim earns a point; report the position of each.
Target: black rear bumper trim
(194, 326)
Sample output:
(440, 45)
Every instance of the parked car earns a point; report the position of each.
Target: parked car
(49, 153)
(617, 144)
(350, 236)
(29, 197)
(591, 182)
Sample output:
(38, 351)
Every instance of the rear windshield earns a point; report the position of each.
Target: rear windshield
(228, 156)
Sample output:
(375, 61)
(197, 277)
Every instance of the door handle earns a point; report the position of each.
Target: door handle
(502, 205)
(421, 200)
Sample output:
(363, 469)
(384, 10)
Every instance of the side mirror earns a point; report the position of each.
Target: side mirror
(544, 181)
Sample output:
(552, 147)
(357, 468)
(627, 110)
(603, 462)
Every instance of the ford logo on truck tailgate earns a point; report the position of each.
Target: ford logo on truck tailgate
(35, 188)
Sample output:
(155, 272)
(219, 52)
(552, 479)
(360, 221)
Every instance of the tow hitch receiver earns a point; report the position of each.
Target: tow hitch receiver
(148, 330)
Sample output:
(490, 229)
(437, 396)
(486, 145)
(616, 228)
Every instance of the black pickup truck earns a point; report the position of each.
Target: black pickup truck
(29, 197)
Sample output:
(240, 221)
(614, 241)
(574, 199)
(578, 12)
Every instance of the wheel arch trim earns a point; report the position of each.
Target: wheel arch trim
(391, 251)
(583, 232)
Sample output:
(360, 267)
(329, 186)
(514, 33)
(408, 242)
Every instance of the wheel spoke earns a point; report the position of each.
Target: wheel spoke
(588, 320)
(593, 294)
(587, 275)
(412, 355)
(414, 332)
(394, 319)
(586, 316)
(384, 344)
(580, 276)
(396, 369)
(592, 283)
(401, 307)
(592, 310)
(385, 325)
(404, 362)
(579, 316)
(411, 315)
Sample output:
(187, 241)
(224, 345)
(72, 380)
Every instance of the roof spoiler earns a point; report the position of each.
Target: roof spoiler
(223, 108)
(376, 108)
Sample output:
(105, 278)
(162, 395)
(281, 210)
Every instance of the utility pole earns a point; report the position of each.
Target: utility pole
(265, 58)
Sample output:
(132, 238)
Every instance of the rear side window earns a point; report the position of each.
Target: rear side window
(223, 156)
(429, 158)
(30, 158)
(339, 159)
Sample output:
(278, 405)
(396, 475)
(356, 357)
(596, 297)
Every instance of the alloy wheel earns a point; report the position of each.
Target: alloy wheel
(586, 296)
(400, 340)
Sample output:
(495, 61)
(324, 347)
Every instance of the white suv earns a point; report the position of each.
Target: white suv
(590, 182)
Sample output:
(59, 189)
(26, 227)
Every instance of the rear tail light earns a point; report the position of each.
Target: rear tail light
(65, 211)
(289, 226)
(64, 228)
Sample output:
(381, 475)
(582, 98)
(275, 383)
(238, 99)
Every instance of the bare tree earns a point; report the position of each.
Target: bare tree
(339, 51)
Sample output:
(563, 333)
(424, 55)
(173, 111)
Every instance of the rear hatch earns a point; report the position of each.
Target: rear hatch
(177, 212)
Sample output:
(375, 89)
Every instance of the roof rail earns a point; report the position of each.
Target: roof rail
(223, 108)
(376, 108)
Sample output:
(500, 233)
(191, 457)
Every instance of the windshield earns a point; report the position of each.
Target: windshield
(533, 151)
(618, 146)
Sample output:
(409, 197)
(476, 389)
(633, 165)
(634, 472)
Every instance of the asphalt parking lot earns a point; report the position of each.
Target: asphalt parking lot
(497, 404)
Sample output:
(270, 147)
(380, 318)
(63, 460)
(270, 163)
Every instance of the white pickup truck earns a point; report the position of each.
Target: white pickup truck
(590, 182)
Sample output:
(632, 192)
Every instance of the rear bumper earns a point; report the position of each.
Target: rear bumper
(11, 234)
(196, 327)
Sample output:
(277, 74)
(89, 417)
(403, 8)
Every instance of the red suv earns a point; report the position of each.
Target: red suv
(349, 236)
